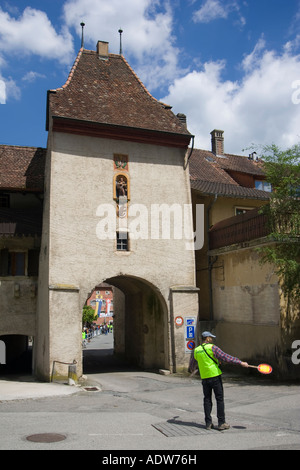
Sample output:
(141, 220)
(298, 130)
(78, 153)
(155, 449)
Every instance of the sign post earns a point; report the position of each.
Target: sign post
(190, 326)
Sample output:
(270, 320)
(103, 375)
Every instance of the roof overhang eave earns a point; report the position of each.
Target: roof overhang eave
(236, 195)
(119, 132)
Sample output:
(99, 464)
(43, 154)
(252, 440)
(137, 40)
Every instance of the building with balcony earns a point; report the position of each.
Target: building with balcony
(106, 129)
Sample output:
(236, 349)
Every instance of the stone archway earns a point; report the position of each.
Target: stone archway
(140, 323)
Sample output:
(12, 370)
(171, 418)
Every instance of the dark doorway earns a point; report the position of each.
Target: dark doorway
(18, 354)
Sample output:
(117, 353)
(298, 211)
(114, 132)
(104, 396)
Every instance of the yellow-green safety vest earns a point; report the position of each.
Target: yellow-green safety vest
(207, 363)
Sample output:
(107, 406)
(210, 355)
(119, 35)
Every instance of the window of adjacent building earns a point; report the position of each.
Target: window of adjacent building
(122, 241)
(4, 200)
(19, 263)
(16, 263)
(263, 185)
(242, 210)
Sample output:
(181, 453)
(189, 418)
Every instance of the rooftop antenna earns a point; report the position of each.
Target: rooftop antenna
(120, 32)
(82, 24)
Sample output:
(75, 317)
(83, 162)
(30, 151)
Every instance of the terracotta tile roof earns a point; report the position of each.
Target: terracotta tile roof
(22, 167)
(109, 92)
(240, 163)
(204, 159)
(228, 190)
(204, 166)
(209, 175)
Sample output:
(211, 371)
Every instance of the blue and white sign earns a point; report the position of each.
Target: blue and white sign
(190, 321)
(190, 332)
(190, 327)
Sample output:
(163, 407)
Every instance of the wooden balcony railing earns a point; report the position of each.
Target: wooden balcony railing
(239, 229)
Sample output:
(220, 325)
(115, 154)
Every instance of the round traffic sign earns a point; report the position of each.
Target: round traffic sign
(190, 345)
(178, 321)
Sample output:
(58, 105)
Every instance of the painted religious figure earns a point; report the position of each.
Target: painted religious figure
(121, 195)
(121, 186)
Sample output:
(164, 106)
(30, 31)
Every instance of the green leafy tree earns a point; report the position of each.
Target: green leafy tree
(88, 315)
(282, 169)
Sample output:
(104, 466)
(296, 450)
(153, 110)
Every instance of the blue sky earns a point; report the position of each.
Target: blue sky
(227, 64)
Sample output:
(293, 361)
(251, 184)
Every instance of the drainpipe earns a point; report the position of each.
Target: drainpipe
(210, 260)
(192, 149)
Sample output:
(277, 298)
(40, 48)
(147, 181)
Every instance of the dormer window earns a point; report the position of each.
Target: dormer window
(263, 186)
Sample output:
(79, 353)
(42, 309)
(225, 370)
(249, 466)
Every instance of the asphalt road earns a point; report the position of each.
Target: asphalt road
(122, 409)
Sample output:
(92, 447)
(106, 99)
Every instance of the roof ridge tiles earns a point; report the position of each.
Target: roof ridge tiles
(139, 80)
(71, 71)
(32, 147)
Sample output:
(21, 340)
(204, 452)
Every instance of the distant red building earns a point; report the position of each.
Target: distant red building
(101, 300)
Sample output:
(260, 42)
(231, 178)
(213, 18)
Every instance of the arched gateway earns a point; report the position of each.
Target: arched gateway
(140, 323)
(117, 208)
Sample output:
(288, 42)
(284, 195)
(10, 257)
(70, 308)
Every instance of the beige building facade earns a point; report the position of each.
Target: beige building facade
(241, 298)
(87, 241)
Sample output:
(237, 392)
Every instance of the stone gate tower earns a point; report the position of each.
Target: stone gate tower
(117, 209)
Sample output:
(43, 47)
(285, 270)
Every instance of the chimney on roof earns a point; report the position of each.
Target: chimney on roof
(217, 142)
(182, 118)
(102, 49)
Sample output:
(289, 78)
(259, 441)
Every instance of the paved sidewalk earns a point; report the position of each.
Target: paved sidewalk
(19, 388)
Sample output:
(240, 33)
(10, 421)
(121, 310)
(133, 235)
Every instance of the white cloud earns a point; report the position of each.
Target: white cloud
(292, 45)
(145, 27)
(32, 76)
(28, 34)
(8, 89)
(217, 9)
(258, 109)
(252, 60)
(211, 10)
(2, 92)
(33, 33)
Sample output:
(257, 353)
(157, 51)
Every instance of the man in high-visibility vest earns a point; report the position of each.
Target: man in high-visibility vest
(208, 356)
